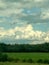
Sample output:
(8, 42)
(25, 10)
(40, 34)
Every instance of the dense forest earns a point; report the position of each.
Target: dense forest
(24, 47)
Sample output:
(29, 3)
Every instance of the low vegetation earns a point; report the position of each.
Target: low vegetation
(13, 63)
(5, 58)
(24, 53)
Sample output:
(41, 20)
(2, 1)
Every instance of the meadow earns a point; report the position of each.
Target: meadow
(11, 63)
(34, 56)
(20, 59)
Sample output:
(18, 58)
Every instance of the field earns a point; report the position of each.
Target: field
(11, 63)
(34, 56)
(21, 56)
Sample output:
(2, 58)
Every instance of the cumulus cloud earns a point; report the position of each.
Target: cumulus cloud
(17, 7)
(38, 0)
(18, 16)
(46, 39)
(2, 4)
(26, 32)
(45, 14)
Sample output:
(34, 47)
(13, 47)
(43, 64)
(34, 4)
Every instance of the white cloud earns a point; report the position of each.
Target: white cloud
(17, 37)
(14, 11)
(2, 4)
(26, 32)
(17, 7)
(38, 0)
(9, 12)
(46, 39)
(45, 14)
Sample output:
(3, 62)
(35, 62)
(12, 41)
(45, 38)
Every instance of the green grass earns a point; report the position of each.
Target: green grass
(21, 56)
(12, 63)
(34, 56)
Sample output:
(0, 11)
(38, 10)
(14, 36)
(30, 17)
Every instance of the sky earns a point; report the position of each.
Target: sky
(24, 21)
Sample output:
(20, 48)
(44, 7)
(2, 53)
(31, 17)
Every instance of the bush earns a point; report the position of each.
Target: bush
(3, 57)
(17, 60)
(24, 60)
(0, 56)
(43, 61)
(30, 61)
(40, 61)
(10, 59)
(46, 61)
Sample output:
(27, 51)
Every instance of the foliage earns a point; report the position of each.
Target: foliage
(24, 47)
(13, 63)
(40, 61)
(46, 61)
(30, 61)
(3, 57)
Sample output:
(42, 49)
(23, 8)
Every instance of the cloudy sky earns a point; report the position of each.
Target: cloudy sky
(24, 21)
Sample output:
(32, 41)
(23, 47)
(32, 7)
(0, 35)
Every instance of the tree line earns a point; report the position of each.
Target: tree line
(24, 47)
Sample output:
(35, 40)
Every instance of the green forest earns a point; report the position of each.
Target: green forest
(24, 47)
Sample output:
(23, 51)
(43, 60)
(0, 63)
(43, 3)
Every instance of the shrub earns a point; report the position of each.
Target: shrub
(30, 61)
(24, 60)
(40, 61)
(17, 60)
(0, 57)
(46, 61)
(10, 59)
(3, 57)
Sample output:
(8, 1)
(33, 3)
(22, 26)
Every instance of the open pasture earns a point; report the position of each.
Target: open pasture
(34, 56)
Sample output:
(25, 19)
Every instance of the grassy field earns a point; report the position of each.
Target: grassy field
(34, 56)
(12, 63)
(21, 56)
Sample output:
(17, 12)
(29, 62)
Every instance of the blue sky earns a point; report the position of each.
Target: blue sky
(24, 20)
